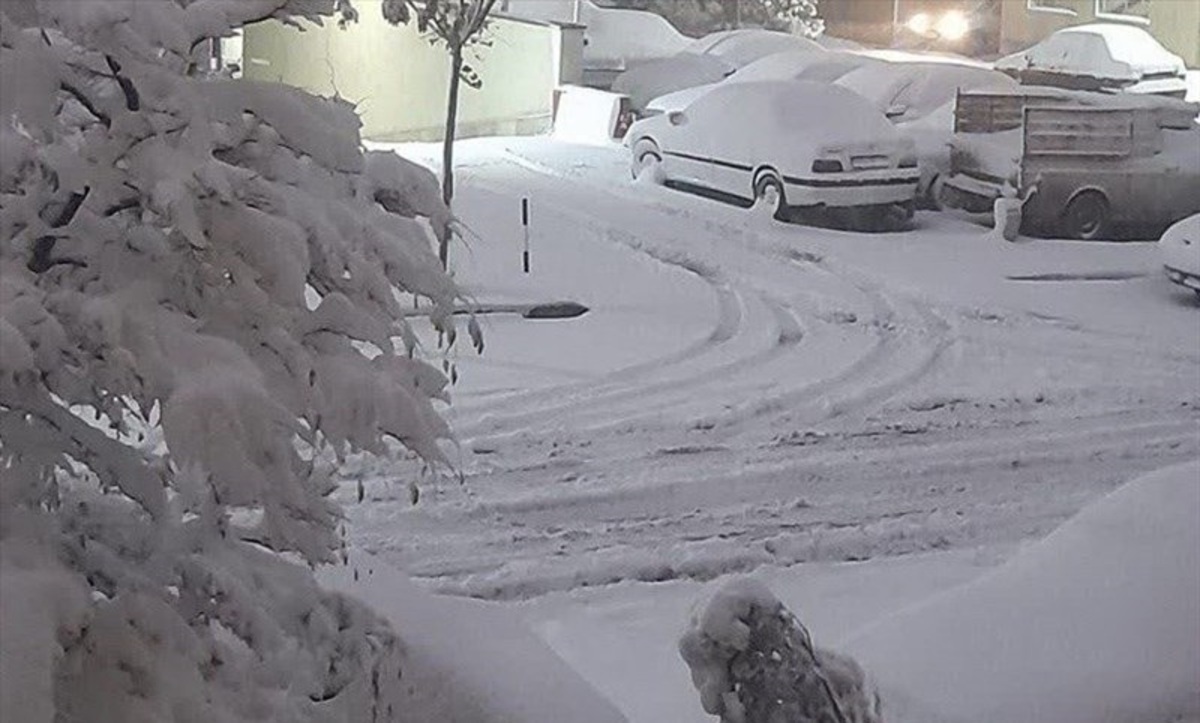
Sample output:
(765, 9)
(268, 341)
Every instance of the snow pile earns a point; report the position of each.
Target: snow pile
(201, 287)
(469, 661)
(1097, 623)
(752, 661)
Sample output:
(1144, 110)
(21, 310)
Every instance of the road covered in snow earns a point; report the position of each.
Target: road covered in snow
(751, 395)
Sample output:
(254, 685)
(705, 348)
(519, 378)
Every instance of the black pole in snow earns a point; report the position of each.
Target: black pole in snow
(525, 224)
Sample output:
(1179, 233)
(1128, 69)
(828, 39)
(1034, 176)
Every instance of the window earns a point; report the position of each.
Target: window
(1137, 10)
(1062, 7)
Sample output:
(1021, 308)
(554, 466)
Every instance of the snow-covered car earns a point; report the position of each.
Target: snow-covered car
(741, 47)
(1180, 249)
(782, 143)
(917, 92)
(1100, 56)
(707, 60)
(793, 65)
(906, 90)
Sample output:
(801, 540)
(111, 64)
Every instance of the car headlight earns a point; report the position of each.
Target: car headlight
(953, 25)
(920, 23)
(827, 165)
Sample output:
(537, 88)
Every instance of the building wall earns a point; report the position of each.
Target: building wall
(400, 82)
(1176, 23)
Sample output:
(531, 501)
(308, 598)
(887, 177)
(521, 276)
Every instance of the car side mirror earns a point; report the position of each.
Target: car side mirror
(896, 111)
(676, 118)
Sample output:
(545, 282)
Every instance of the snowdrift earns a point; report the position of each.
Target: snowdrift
(1097, 623)
(466, 661)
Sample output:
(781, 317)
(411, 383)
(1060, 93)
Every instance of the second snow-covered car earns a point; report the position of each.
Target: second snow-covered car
(1180, 248)
(783, 143)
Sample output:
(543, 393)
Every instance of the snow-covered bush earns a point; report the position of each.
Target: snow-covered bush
(752, 661)
(200, 283)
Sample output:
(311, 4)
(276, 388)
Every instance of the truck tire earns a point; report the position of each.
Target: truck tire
(1088, 217)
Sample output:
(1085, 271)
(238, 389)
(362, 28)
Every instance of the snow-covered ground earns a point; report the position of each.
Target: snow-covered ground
(861, 420)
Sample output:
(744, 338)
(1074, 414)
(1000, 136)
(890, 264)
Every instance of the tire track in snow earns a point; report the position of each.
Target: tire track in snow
(623, 396)
(564, 506)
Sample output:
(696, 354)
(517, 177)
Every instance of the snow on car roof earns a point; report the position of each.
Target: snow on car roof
(744, 46)
(907, 56)
(1101, 50)
(920, 86)
(826, 113)
(802, 65)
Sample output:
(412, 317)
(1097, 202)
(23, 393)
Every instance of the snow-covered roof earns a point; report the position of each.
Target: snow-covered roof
(1100, 50)
(791, 111)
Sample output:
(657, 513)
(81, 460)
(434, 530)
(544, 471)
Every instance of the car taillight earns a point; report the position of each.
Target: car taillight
(826, 165)
(908, 162)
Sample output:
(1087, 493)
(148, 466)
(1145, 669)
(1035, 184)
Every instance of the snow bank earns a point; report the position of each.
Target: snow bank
(469, 661)
(1098, 623)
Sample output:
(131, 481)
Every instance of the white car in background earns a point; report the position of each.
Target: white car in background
(1100, 56)
(1180, 248)
(785, 144)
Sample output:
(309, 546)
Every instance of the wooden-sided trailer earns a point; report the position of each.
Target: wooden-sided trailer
(1088, 165)
(1098, 173)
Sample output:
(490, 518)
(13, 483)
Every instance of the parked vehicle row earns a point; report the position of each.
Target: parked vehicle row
(882, 130)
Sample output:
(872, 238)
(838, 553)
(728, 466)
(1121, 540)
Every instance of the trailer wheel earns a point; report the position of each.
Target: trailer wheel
(1087, 216)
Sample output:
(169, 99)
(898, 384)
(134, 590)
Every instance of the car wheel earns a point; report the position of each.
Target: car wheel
(1087, 216)
(645, 155)
(768, 190)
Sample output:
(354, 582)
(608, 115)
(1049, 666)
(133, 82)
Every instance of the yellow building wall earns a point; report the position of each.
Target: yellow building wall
(1176, 23)
(399, 81)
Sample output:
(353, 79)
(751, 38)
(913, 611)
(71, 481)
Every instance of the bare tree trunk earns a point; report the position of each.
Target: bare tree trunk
(456, 62)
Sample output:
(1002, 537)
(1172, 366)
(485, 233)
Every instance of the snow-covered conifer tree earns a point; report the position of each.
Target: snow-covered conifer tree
(200, 284)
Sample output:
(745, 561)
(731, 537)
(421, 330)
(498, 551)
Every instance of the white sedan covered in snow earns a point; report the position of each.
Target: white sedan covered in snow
(1180, 247)
(782, 143)
(1100, 56)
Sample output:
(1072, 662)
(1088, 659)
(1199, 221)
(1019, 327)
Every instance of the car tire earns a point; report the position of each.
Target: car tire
(646, 154)
(1088, 217)
(768, 189)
